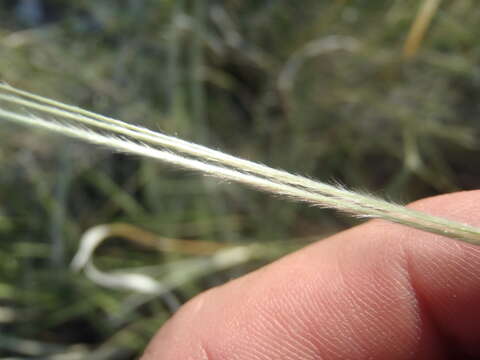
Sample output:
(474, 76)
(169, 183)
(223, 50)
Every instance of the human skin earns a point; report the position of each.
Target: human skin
(376, 291)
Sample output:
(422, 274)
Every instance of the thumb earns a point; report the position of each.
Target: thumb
(376, 291)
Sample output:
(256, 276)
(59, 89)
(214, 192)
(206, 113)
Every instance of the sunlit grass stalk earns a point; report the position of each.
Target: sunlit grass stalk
(420, 26)
(227, 167)
(145, 135)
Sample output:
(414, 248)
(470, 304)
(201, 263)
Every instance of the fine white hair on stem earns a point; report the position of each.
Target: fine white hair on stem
(88, 118)
(133, 139)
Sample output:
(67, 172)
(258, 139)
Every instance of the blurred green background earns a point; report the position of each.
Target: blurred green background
(380, 96)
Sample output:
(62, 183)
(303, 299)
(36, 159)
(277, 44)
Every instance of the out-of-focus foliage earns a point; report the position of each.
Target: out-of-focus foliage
(323, 88)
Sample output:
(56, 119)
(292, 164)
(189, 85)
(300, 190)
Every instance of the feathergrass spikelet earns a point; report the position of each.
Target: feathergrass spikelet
(114, 134)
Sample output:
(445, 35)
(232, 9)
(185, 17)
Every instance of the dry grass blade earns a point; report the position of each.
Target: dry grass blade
(419, 27)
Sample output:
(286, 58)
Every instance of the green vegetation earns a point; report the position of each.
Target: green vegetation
(356, 92)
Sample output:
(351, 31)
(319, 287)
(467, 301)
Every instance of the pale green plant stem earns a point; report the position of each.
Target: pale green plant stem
(169, 157)
(350, 202)
(145, 135)
(151, 137)
(197, 69)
